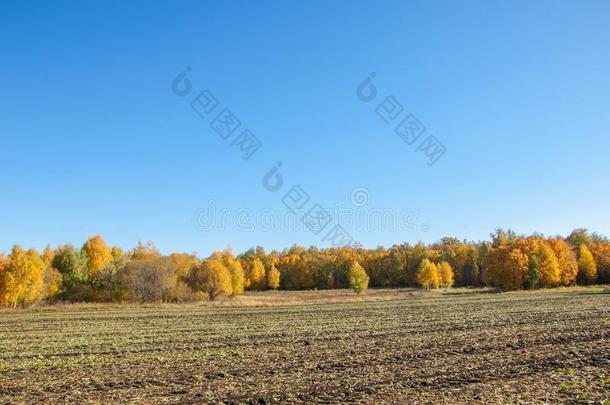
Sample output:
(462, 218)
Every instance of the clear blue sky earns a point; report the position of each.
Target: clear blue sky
(94, 140)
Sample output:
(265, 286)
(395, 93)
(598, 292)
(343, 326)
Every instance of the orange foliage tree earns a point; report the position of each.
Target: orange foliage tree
(98, 254)
(601, 255)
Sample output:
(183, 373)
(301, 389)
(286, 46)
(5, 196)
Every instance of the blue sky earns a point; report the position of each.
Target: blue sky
(95, 141)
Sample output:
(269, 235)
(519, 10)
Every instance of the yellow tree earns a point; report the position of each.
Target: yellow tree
(21, 282)
(445, 273)
(47, 255)
(508, 267)
(52, 278)
(9, 289)
(52, 281)
(566, 260)
(236, 272)
(548, 266)
(184, 263)
(427, 275)
(255, 275)
(273, 278)
(4, 279)
(98, 254)
(116, 253)
(211, 276)
(601, 254)
(517, 268)
(457, 255)
(145, 251)
(357, 277)
(587, 269)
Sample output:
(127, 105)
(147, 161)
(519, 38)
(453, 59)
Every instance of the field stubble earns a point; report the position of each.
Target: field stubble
(386, 346)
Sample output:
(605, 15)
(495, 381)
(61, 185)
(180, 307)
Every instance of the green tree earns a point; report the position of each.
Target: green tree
(475, 274)
(579, 237)
(533, 274)
(358, 279)
(500, 236)
(72, 264)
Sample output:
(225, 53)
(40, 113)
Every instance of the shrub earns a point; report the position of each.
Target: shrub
(150, 280)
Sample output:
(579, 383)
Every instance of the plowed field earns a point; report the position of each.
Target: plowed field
(473, 347)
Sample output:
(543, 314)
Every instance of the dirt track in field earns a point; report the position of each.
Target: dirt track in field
(531, 347)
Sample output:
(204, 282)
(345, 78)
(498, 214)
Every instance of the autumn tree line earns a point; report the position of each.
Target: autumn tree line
(96, 272)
